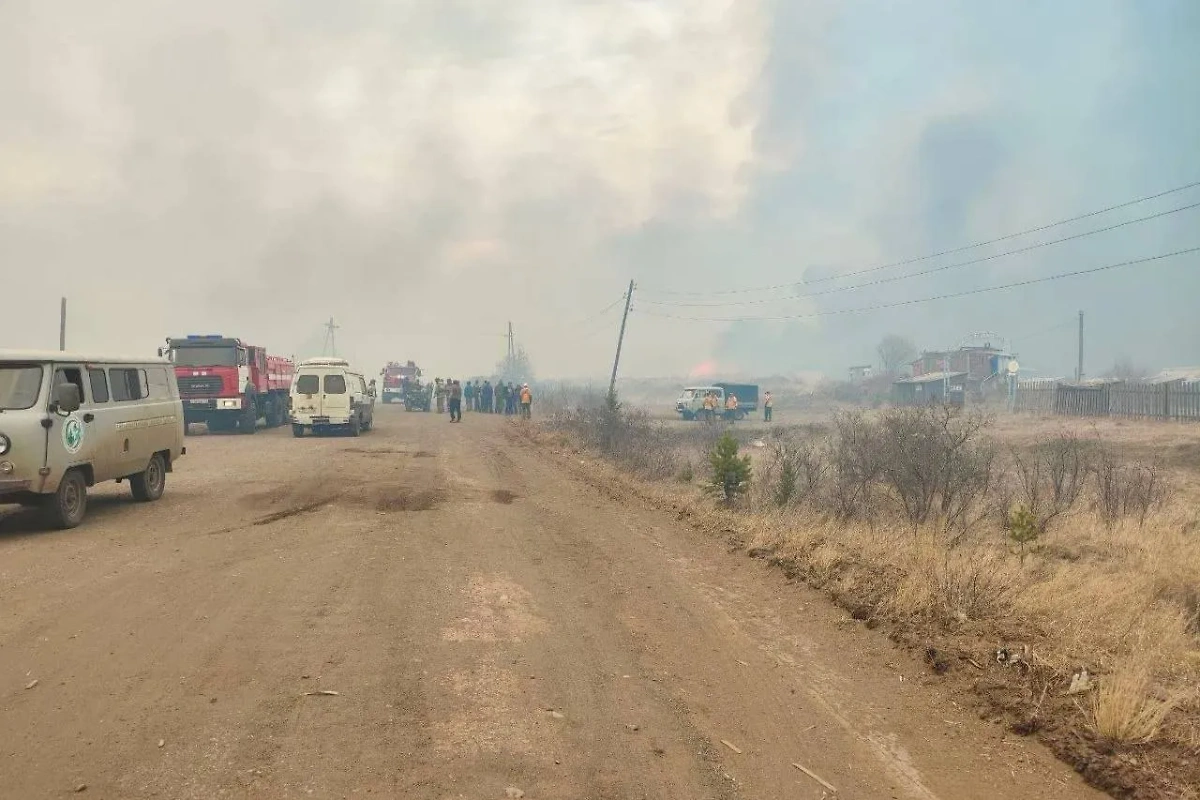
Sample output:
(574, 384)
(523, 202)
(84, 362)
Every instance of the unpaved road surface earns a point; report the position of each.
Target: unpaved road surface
(488, 621)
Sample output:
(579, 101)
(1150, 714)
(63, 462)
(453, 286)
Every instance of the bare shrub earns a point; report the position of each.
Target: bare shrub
(951, 586)
(1047, 484)
(856, 462)
(932, 462)
(974, 588)
(1127, 489)
(627, 436)
(797, 471)
(936, 463)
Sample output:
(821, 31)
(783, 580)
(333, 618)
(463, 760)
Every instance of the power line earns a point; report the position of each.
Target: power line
(1071, 323)
(1028, 282)
(581, 323)
(951, 251)
(930, 271)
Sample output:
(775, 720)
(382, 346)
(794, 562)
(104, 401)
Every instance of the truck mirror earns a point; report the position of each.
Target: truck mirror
(65, 398)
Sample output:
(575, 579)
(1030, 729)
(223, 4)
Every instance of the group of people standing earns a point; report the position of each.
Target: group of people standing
(503, 398)
(712, 406)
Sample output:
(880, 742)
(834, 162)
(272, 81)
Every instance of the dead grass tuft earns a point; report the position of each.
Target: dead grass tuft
(1126, 707)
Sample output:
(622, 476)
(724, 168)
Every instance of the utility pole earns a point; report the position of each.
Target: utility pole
(1079, 366)
(330, 346)
(512, 345)
(612, 383)
(62, 326)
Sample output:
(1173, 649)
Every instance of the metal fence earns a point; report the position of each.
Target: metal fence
(1178, 400)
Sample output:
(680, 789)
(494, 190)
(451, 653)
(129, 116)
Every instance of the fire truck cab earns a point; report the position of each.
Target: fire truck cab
(228, 384)
(396, 377)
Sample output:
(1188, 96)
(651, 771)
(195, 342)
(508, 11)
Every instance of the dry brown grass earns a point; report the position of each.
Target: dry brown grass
(1126, 707)
(1117, 593)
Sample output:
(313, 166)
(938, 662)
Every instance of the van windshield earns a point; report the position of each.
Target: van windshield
(19, 386)
(205, 356)
(308, 384)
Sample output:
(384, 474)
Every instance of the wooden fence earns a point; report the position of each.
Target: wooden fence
(1177, 400)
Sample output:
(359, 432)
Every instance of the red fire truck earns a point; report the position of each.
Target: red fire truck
(227, 384)
(396, 376)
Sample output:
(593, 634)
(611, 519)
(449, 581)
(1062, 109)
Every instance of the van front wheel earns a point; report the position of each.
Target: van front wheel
(149, 485)
(67, 506)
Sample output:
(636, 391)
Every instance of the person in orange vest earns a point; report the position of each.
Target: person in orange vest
(731, 404)
(768, 405)
(526, 401)
(710, 406)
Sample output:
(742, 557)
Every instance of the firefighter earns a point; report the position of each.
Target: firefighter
(503, 398)
(768, 405)
(731, 404)
(439, 393)
(709, 406)
(488, 393)
(455, 394)
(526, 401)
(468, 393)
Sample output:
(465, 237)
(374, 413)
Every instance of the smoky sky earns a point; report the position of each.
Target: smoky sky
(425, 173)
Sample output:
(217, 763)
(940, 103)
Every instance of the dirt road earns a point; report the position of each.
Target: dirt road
(487, 620)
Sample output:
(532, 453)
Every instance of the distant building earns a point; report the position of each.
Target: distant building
(1177, 374)
(861, 373)
(983, 367)
(930, 387)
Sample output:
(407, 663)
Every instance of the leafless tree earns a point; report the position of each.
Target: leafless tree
(894, 352)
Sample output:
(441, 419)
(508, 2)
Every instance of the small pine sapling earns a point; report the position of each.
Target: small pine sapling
(730, 472)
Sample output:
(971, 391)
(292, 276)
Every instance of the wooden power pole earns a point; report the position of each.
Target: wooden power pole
(1079, 364)
(62, 325)
(612, 383)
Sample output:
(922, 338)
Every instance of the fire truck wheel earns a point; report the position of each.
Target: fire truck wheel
(248, 421)
(276, 415)
(297, 431)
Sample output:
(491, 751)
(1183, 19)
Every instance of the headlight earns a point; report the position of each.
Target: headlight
(5, 444)
(6, 468)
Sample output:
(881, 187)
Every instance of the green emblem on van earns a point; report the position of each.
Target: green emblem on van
(72, 435)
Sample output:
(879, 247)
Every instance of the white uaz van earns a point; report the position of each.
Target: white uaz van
(70, 421)
(327, 394)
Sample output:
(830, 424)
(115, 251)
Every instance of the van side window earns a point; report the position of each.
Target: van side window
(127, 384)
(157, 383)
(99, 382)
(71, 375)
(335, 384)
